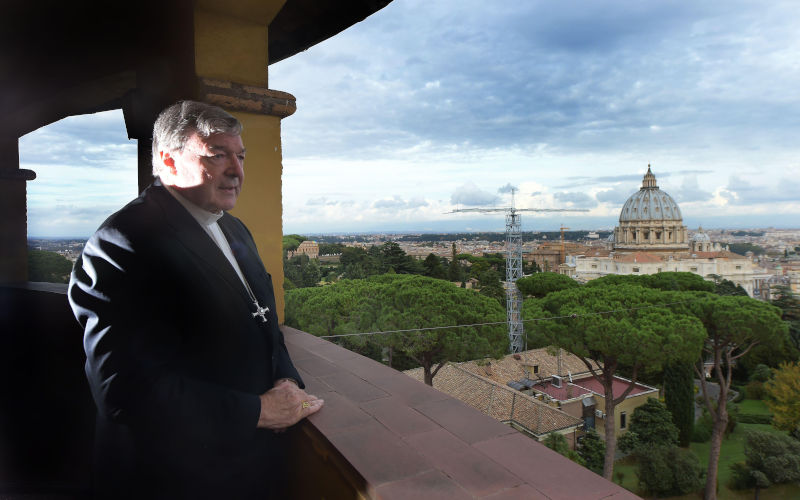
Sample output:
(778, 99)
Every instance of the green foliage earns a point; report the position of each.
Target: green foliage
(393, 257)
(432, 267)
(592, 449)
(704, 425)
(490, 286)
(783, 397)
(541, 284)
(754, 418)
(558, 443)
(454, 271)
(534, 333)
(703, 428)
(356, 263)
(755, 390)
(301, 271)
(331, 248)
(728, 287)
(630, 334)
(743, 248)
(740, 396)
(679, 281)
(789, 304)
(49, 267)
(736, 324)
(401, 302)
(675, 281)
(669, 471)
(679, 399)
(770, 459)
(636, 331)
(628, 442)
(292, 241)
(652, 422)
(761, 373)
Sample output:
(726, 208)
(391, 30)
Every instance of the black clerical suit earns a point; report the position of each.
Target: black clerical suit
(176, 361)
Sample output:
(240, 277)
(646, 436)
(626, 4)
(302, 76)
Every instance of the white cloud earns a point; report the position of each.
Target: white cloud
(470, 194)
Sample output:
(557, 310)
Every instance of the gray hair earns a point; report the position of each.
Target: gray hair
(177, 123)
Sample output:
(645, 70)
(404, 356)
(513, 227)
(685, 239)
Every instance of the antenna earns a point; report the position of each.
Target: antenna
(514, 264)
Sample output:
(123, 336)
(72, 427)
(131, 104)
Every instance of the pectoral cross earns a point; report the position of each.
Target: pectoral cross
(260, 311)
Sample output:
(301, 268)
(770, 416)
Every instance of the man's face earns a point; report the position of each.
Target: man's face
(208, 172)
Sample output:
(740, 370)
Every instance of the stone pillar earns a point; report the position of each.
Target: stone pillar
(14, 219)
(231, 55)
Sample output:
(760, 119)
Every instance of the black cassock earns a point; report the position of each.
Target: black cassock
(175, 358)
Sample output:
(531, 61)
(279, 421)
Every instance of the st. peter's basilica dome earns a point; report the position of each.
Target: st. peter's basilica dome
(650, 221)
(650, 203)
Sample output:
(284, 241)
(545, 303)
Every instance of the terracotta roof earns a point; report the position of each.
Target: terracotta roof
(617, 388)
(498, 400)
(639, 258)
(566, 392)
(509, 368)
(596, 252)
(722, 254)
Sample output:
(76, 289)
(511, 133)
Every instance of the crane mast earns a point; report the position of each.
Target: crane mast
(513, 244)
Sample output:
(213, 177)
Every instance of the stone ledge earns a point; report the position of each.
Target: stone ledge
(247, 98)
(399, 438)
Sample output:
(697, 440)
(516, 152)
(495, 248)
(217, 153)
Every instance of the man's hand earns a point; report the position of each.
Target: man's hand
(285, 405)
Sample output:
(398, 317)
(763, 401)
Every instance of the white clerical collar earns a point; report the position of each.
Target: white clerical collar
(201, 215)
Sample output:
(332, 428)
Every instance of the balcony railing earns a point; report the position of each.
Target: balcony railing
(381, 434)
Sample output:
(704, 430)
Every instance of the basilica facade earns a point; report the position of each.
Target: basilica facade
(651, 238)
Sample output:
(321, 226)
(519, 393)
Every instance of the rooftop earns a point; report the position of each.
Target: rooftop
(509, 368)
(498, 400)
(618, 387)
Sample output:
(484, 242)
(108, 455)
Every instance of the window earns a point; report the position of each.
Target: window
(636, 269)
(535, 369)
(738, 267)
(594, 266)
(623, 420)
(693, 269)
(659, 270)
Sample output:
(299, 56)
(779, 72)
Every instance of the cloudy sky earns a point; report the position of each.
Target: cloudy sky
(426, 107)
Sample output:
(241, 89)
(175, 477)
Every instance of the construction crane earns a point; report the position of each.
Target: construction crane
(514, 264)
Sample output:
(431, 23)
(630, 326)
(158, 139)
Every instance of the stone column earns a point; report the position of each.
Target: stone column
(14, 220)
(231, 55)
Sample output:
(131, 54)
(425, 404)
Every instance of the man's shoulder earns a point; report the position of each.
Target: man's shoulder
(141, 215)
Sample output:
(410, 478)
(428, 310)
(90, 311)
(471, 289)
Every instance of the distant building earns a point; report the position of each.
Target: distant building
(310, 248)
(651, 238)
(549, 256)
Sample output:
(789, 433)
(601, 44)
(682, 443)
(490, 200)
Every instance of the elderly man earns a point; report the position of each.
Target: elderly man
(185, 361)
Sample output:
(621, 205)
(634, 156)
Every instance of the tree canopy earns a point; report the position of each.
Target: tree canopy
(618, 326)
(734, 326)
(292, 241)
(403, 302)
(769, 459)
(49, 267)
(789, 304)
(783, 398)
(540, 284)
(651, 425)
(677, 281)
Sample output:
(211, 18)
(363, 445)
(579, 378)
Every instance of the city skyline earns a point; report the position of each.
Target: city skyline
(405, 116)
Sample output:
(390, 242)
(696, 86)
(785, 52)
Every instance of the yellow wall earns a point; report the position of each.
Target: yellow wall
(260, 205)
(626, 406)
(230, 49)
(231, 46)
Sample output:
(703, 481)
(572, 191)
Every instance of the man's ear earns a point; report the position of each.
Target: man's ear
(168, 162)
